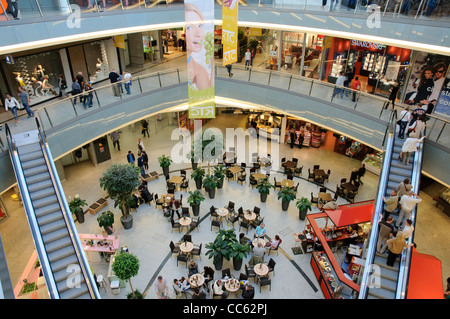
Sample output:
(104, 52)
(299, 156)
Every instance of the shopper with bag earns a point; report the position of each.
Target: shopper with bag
(405, 117)
(12, 104)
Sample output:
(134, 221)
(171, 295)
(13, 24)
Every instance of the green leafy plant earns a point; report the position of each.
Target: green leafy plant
(137, 295)
(239, 251)
(120, 180)
(28, 286)
(210, 182)
(264, 186)
(219, 171)
(195, 198)
(106, 219)
(303, 203)
(164, 161)
(125, 266)
(222, 247)
(76, 204)
(287, 194)
(198, 173)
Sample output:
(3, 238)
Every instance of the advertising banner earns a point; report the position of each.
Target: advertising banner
(199, 19)
(443, 104)
(230, 31)
(119, 41)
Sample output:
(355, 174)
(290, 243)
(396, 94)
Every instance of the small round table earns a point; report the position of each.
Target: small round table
(186, 247)
(261, 269)
(196, 280)
(222, 212)
(185, 222)
(248, 215)
(232, 285)
(256, 240)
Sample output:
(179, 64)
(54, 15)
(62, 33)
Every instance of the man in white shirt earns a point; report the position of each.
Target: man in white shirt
(408, 230)
(218, 289)
(248, 58)
(407, 202)
(339, 85)
(127, 81)
(12, 104)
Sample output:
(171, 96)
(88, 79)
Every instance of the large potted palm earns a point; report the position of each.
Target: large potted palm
(221, 248)
(263, 188)
(219, 174)
(197, 175)
(75, 208)
(286, 194)
(106, 220)
(210, 184)
(125, 266)
(238, 254)
(194, 199)
(120, 180)
(303, 205)
(165, 161)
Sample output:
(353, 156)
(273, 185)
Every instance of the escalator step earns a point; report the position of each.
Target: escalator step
(46, 221)
(60, 254)
(34, 187)
(42, 193)
(56, 235)
(30, 156)
(33, 163)
(37, 178)
(47, 209)
(44, 202)
(35, 170)
(74, 293)
(63, 263)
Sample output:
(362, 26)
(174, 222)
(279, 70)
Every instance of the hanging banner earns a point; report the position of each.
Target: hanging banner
(119, 41)
(199, 19)
(230, 31)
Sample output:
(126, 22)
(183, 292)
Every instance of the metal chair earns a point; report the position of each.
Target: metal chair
(216, 223)
(242, 177)
(256, 210)
(271, 264)
(197, 251)
(264, 281)
(174, 249)
(226, 272)
(249, 272)
(195, 223)
(314, 200)
(175, 224)
(182, 257)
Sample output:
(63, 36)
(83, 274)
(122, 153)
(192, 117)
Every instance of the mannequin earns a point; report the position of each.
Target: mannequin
(37, 85)
(48, 86)
(19, 80)
(40, 72)
(98, 65)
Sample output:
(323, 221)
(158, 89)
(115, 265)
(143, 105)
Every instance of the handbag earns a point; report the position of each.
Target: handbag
(399, 121)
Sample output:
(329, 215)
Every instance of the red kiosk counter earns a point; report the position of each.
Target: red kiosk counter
(425, 277)
(350, 226)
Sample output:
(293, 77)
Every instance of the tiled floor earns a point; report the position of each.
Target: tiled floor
(151, 233)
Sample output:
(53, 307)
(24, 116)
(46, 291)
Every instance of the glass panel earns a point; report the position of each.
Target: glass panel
(370, 105)
(323, 91)
(183, 74)
(444, 138)
(259, 77)
(60, 113)
(109, 93)
(279, 80)
(169, 78)
(51, 8)
(149, 82)
(300, 85)
(25, 10)
(43, 119)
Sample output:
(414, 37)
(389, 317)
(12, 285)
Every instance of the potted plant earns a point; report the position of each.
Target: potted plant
(221, 247)
(165, 161)
(303, 205)
(238, 254)
(197, 175)
(106, 220)
(194, 200)
(219, 174)
(125, 266)
(137, 295)
(210, 183)
(286, 194)
(75, 208)
(263, 188)
(120, 180)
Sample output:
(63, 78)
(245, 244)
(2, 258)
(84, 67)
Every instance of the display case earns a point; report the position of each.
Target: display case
(373, 162)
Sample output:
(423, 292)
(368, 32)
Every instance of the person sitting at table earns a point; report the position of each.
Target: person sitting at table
(249, 292)
(218, 290)
(193, 268)
(185, 284)
(199, 293)
(257, 254)
(180, 288)
(274, 243)
(208, 274)
(354, 176)
(260, 231)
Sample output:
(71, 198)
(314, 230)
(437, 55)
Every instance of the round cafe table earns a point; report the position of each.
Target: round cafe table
(248, 215)
(185, 222)
(222, 212)
(186, 247)
(196, 280)
(232, 285)
(261, 269)
(256, 240)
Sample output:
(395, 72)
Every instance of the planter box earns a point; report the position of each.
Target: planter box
(98, 205)
(151, 176)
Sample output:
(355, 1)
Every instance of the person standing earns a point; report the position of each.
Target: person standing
(440, 70)
(248, 57)
(14, 8)
(145, 156)
(229, 68)
(354, 176)
(25, 99)
(12, 104)
(405, 118)
(140, 163)
(408, 229)
(144, 125)
(393, 95)
(409, 147)
(348, 79)
(162, 290)
(130, 158)
(127, 81)
(62, 84)
(115, 139)
(386, 231)
(418, 127)
(301, 138)
(80, 79)
(292, 135)
(391, 204)
(140, 145)
(76, 89)
(407, 202)
(395, 246)
(88, 94)
(357, 87)
(361, 173)
(114, 78)
(339, 84)
(252, 57)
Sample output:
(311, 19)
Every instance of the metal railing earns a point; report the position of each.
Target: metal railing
(406, 9)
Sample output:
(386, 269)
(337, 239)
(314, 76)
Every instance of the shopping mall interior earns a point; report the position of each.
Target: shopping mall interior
(299, 49)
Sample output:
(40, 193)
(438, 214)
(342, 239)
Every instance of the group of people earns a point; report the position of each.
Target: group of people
(357, 174)
(345, 80)
(390, 236)
(415, 124)
(126, 80)
(79, 85)
(142, 160)
(13, 105)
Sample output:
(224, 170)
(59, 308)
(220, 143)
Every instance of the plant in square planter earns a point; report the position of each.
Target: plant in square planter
(221, 248)
(120, 180)
(194, 199)
(75, 208)
(125, 266)
(303, 205)
(165, 161)
(286, 195)
(197, 175)
(106, 220)
(219, 174)
(263, 188)
(210, 183)
(238, 254)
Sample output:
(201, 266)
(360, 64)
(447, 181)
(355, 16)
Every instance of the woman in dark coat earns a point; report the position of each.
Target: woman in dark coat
(426, 85)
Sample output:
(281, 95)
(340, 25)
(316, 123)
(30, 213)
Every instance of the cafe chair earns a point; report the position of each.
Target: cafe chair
(290, 177)
(277, 185)
(343, 181)
(183, 174)
(257, 210)
(174, 249)
(253, 182)
(311, 176)
(182, 257)
(271, 264)
(256, 165)
(229, 175)
(216, 223)
(282, 161)
(287, 171)
(243, 167)
(340, 191)
(185, 211)
(212, 211)
(264, 281)
(242, 277)
(314, 200)
(357, 184)
(320, 180)
(336, 196)
(185, 185)
(252, 171)
(249, 272)
(197, 251)
(227, 272)
(327, 175)
(274, 249)
(242, 177)
(170, 190)
(316, 167)
(298, 171)
(295, 188)
(175, 224)
(351, 197)
(100, 282)
(258, 221)
(233, 219)
(169, 184)
(195, 223)
(322, 190)
(230, 207)
(244, 224)
(295, 160)
(187, 237)
(158, 202)
(241, 212)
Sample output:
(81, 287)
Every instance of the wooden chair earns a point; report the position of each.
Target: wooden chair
(327, 175)
(320, 180)
(351, 197)
(316, 167)
(282, 161)
(343, 181)
(253, 182)
(187, 238)
(185, 211)
(241, 212)
(264, 281)
(242, 177)
(277, 185)
(229, 175)
(340, 191)
(322, 190)
(185, 185)
(249, 272)
(314, 200)
(183, 174)
(182, 257)
(311, 176)
(256, 165)
(158, 202)
(216, 223)
(257, 221)
(290, 177)
(174, 249)
(298, 171)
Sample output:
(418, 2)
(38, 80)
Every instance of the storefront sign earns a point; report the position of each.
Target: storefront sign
(443, 105)
(119, 41)
(229, 31)
(9, 59)
(255, 32)
(366, 46)
(199, 19)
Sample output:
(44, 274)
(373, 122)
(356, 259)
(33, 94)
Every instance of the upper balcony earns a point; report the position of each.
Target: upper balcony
(416, 24)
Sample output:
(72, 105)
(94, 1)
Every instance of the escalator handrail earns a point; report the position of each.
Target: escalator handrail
(378, 207)
(73, 233)
(405, 260)
(32, 220)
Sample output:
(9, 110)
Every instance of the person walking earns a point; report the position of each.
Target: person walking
(12, 104)
(25, 99)
(393, 95)
(145, 156)
(80, 79)
(144, 125)
(115, 139)
(130, 158)
(62, 84)
(292, 136)
(127, 81)
(405, 118)
(395, 247)
(229, 68)
(409, 147)
(88, 95)
(140, 145)
(248, 57)
(76, 89)
(361, 173)
(348, 80)
(14, 8)
(407, 203)
(386, 230)
(339, 85)
(357, 87)
(162, 290)
(140, 163)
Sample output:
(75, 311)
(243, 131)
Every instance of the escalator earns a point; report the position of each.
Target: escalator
(65, 268)
(380, 281)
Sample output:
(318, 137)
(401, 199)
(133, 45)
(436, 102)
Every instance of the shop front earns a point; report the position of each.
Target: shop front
(335, 58)
(266, 124)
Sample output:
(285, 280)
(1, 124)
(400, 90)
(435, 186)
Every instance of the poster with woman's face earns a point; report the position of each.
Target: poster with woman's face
(199, 19)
